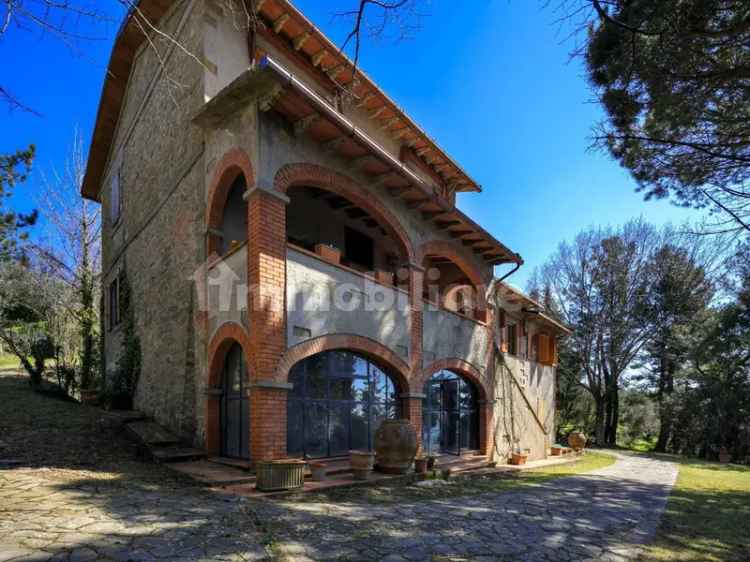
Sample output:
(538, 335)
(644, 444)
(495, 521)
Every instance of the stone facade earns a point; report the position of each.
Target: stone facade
(188, 128)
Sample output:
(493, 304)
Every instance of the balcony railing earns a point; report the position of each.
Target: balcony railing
(324, 298)
(447, 334)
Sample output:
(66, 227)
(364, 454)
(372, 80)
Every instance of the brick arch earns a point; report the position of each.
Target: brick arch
(312, 175)
(472, 374)
(234, 163)
(371, 349)
(449, 250)
(227, 335)
(458, 366)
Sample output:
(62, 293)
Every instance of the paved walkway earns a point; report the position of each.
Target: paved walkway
(603, 515)
(58, 515)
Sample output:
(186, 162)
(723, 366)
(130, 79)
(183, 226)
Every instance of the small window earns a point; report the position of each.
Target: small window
(513, 339)
(114, 303)
(359, 248)
(115, 205)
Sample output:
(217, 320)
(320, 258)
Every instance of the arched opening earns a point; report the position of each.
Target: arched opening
(233, 226)
(449, 286)
(235, 405)
(450, 414)
(337, 403)
(339, 228)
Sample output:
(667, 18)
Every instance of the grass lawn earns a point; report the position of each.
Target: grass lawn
(462, 486)
(708, 514)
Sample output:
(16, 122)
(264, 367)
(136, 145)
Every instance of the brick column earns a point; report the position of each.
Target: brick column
(411, 409)
(411, 403)
(266, 281)
(416, 306)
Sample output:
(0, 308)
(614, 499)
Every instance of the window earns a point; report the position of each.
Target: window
(114, 303)
(512, 332)
(359, 248)
(115, 205)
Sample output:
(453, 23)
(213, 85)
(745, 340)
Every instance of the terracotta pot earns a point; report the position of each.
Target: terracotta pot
(518, 458)
(395, 446)
(384, 277)
(331, 255)
(318, 471)
(420, 466)
(89, 396)
(577, 440)
(557, 451)
(362, 460)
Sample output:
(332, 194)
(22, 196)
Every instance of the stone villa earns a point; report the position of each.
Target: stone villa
(297, 264)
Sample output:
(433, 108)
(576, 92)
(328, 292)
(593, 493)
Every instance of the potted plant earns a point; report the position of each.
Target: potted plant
(362, 463)
(577, 440)
(519, 457)
(329, 253)
(557, 450)
(420, 465)
(318, 471)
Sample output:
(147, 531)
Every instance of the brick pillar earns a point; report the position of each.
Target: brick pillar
(266, 281)
(416, 306)
(411, 409)
(411, 403)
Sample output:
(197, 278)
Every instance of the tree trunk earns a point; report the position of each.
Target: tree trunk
(600, 420)
(666, 388)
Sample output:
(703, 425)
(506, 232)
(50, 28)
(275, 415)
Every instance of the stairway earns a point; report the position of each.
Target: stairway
(159, 444)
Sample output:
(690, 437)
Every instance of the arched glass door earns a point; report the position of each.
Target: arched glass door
(337, 403)
(449, 414)
(235, 406)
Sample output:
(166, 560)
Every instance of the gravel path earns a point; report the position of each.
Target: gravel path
(602, 515)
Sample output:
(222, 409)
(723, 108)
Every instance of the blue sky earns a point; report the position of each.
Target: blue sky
(493, 85)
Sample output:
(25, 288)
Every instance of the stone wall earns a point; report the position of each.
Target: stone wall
(524, 407)
(159, 238)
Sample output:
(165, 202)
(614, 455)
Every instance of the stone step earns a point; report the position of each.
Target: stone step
(212, 473)
(175, 454)
(151, 433)
(234, 463)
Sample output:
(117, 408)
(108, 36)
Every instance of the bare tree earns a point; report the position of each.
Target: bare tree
(69, 246)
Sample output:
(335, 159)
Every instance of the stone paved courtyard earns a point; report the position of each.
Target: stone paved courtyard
(603, 515)
(104, 505)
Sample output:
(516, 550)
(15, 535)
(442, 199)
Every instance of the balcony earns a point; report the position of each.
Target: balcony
(324, 298)
(447, 334)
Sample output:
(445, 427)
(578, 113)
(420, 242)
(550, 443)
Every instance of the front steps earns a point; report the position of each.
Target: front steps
(159, 444)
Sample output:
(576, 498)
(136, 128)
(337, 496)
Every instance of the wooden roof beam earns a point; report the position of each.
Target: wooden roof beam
(278, 23)
(300, 40)
(318, 57)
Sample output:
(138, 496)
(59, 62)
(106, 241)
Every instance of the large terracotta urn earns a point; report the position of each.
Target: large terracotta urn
(577, 440)
(395, 446)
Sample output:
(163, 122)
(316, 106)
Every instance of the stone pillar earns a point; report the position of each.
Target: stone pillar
(266, 280)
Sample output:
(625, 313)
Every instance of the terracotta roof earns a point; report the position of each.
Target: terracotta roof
(129, 38)
(288, 24)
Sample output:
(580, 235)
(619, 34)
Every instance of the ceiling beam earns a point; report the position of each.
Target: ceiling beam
(278, 23)
(300, 40)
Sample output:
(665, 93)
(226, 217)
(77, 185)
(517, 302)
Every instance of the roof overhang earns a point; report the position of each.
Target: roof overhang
(128, 40)
(272, 86)
(278, 19)
(528, 307)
